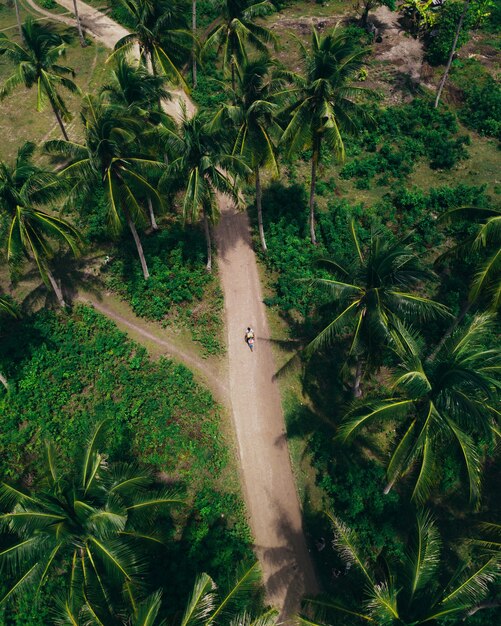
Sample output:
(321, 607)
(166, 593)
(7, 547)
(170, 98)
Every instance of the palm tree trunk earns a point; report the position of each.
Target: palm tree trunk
(259, 208)
(357, 392)
(139, 246)
(18, 20)
(208, 241)
(453, 50)
(194, 30)
(79, 25)
(59, 120)
(233, 82)
(4, 382)
(365, 15)
(56, 288)
(314, 163)
(153, 221)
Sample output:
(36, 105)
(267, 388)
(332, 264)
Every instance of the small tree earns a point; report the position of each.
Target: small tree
(362, 7)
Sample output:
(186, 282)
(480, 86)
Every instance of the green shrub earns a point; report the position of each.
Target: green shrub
(48, 4)
(442, 37)
(179, 285)
(482, 108)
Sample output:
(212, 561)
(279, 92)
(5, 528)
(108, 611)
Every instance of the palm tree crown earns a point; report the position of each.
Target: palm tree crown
(32, 231)
(236, 30)
(89, 523)
(412, 592)
(162, 34)
(447, 404)
(378, 300)
(37, 64)
(325, 103)
(133, 87)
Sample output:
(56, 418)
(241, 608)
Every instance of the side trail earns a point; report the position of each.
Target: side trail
(268, 481)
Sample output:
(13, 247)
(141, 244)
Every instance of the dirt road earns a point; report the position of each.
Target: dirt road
(269, 486)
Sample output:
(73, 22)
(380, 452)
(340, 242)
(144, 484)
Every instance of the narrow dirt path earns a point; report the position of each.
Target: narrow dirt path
(269, 486)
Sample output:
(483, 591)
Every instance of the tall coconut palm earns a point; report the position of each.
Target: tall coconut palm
(112, 157)
(412, 592)
(375, 295)
(161, 31)
(253, 115)
(235, 30)
(136, 89)
(325, 104)
(32, 231)
(443, 407)
(205, 605)
(487, 279)
(91, 520)
(37, 65)
(203, 168)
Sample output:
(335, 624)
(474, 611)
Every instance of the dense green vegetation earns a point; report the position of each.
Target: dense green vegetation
(381, 251)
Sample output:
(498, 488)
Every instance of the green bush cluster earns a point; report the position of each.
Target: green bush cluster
(291, 258)
(482, 108)
(402, 136)
(177, 285)
(68, 373)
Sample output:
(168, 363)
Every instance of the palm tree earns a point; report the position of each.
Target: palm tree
(111, 157)
(444, 405)
(236, 29)
(133, 87)
(411, 592)
(253, 116)
(377, 302)
(203, 608)
(37, 65)
(202, 169)
(24, 189)
(90, 521)
(325, 104)
(162, 34)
